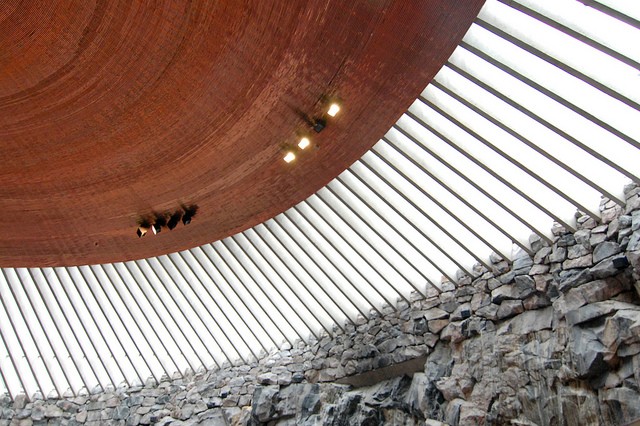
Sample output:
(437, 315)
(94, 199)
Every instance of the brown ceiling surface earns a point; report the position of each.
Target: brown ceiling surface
(112, 110)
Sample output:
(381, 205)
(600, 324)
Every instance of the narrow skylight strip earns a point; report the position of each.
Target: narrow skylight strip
(127, 312)
(560, 112)
(322, 257)
(222, 328)
(373, 276)
(323, 277)
(279, 308)
(305, 322)
(312, 297)
(423, 245)
(345, 272)
(242, 306)
(151, 319)
(399, 183)
(578, 59)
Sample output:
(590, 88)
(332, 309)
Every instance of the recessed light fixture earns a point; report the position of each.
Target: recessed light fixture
(289, 156)
(189, 213)
(304, 142)
(142, 230)
(333, 110)
(175, 218)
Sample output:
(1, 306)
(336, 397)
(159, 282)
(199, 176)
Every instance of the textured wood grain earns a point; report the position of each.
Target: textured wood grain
(110, 110)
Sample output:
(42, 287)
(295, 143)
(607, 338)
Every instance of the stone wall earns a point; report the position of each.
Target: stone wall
(552, 338)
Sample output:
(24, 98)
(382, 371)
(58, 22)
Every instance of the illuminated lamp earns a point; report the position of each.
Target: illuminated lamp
(304, 143)
(334, 109)
(289, 156)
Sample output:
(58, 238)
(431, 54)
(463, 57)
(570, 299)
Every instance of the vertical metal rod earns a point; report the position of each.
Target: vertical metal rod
(38, 313)
(526, 141)
(306, 270)
(285, 299)
(288, 268)
(559, 64)
(379, 235)
(95, 321)
(241, 265)
(19, 338)
(309, 311)
(373, 170)
(126, 329)
(155, 311)
(171, 314)
(113, 330)
(365, 240)
(509, 158)
(144, 336)
(233, 289)
(442, 206)
(75, 336)
(166, 311)
(345, 256)
(413, 225)
(296, 243)
(482, 166)
(370, 284)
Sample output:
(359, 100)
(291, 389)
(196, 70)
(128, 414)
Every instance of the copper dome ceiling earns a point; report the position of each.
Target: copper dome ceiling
(113, 110)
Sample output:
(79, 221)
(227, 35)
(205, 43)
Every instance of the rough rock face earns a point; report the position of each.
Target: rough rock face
(551, 338)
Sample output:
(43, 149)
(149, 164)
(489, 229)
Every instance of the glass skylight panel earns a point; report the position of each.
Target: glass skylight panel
(596, 65)
(574, 93)
(591, 23)
(427, 208)
(314, 281)
(538, 134)
(316, 306)
(291, 305)
(275, 306)
(417, 218)
(630, 8)
(360, 254)
(356, 277)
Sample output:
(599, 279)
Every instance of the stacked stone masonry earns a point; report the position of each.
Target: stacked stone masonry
(552, 338)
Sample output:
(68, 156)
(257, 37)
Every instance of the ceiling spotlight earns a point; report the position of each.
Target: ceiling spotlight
(142, 230)
(189, 213)
(304, 142)
(289, 156)
(333, 110)
(319, 125)
(174, 220)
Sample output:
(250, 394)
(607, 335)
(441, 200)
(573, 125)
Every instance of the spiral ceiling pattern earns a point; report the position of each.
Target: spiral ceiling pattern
(530, 122)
